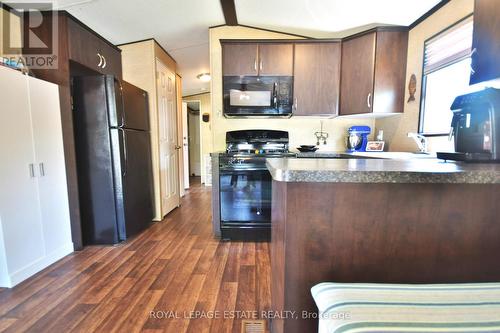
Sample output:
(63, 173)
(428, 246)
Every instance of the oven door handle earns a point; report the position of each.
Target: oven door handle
(232, 171)
(275, 95)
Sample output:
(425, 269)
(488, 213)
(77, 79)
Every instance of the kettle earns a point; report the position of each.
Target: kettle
(357, 138)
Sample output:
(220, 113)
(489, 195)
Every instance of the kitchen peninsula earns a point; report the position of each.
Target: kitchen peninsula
(380, 221)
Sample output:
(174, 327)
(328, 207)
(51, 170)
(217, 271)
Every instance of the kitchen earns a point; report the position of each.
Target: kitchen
(237, 241)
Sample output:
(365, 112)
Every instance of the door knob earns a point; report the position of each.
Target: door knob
(178, 147)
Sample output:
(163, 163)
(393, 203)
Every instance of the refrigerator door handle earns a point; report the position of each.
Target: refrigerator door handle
(124, 144)
(123, 105)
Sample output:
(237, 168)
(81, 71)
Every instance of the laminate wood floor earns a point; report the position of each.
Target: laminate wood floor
(175, 269)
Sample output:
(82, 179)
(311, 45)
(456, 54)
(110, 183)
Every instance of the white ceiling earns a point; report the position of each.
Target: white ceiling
(181, 26)
(328, 18)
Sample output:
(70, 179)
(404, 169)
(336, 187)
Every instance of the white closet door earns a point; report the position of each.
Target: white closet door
(19, 205)
(167, 115)
(49, 153)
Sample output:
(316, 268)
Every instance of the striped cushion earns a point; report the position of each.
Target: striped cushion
(408, 308)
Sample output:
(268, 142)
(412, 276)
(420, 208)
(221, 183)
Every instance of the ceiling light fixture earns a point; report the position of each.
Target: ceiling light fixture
(205, 77)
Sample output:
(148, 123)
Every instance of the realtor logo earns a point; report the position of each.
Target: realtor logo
(29, 35)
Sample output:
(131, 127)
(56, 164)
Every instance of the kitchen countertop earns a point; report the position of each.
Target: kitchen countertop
(361, 170)
(383, 154)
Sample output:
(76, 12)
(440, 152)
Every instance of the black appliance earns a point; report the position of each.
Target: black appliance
(244, 183)
(113, 158)
(476, 127)
(257, 96)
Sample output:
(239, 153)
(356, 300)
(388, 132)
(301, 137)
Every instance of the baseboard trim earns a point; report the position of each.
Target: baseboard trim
(36, 266)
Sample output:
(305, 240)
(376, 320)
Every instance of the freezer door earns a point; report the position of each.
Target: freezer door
(128, 105)
(133, 180)
(135, 107)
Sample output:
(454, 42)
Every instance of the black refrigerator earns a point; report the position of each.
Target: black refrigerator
(113, 152)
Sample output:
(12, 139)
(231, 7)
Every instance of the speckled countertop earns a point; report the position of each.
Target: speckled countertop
(428, 170)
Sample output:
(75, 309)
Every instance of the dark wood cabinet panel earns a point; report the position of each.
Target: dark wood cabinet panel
(390, 72)
(91, 51)
(316, 78)
(405, 233)
(112, 60)
(276, 59)
(83, 47)
(239, 59)
(252, 59)
(486, 41)
(358, 64)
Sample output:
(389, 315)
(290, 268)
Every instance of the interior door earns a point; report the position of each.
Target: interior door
(19, 205)
(357, 75)
(51, 170)
(169, 174)
(185, 144)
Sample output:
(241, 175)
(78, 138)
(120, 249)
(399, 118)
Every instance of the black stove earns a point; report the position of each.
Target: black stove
(257, 142)
(245, 183)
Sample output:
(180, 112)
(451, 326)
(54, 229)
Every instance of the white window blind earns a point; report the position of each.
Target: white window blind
(449, 46)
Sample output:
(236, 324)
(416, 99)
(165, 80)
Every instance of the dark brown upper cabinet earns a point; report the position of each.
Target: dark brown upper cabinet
(276, 59)
(316, 79)
(240, 59)
(486, 41)
(252, 59)
(373, 72)
(92, 51)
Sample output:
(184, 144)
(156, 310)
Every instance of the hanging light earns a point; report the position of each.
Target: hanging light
(205, 77)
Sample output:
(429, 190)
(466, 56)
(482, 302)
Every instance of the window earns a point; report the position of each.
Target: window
(445, 76)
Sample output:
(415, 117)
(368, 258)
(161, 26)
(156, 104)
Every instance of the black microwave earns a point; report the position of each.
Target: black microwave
(258, 96)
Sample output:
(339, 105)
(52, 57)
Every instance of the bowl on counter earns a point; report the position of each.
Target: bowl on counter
(307, 148)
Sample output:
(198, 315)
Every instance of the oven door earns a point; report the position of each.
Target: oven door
(257, 96)
(245, 197)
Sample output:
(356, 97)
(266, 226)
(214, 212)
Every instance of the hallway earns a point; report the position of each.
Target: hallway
(172, 268)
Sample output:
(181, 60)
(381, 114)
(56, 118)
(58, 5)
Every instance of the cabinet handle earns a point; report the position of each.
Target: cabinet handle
(368, 100)
(32, 170)
(255, 65)
(472, 71)
(104, 64)
(296, 104)
(260, 64)
(100, 60)
(42, 169)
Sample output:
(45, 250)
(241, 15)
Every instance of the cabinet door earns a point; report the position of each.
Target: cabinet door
(316, 78)
(486, 41)
(51, 171)
(358, 63)
(112, 60)
(91, 51)
(390, 72)
(239, 59)
(19, 206)
(276, 59)
(83, 46)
